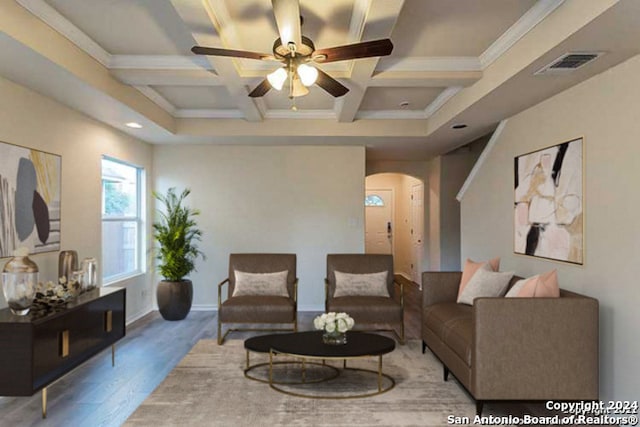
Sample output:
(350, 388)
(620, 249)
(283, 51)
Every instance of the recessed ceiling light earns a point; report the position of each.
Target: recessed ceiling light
(134, 125)
(458, 126)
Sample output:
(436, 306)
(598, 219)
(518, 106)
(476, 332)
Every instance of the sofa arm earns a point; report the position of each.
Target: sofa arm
(535, 348)
(440, 286)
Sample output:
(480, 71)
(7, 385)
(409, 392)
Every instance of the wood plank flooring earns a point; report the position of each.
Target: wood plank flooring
(97, 394)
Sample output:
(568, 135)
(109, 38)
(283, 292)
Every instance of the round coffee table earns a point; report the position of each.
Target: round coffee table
(309, 346)
(262, 344)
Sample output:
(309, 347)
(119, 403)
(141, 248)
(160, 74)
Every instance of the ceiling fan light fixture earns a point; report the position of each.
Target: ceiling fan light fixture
(298, 89)
(277, 78)
(308, 74)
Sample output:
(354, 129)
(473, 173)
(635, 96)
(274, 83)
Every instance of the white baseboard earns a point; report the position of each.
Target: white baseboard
(214, 307)
(204, 307)
(138, 316)
(311, 307)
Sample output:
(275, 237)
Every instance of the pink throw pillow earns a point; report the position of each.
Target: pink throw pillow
(540, 286)
(470, 268)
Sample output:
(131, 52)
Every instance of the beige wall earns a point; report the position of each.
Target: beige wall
(303, 200)
(435, 168)
(605, 111)
(447, 174)
(402, 242)
(454, 170)
(34, 121)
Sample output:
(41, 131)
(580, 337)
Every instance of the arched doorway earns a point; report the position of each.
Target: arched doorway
(394, 221)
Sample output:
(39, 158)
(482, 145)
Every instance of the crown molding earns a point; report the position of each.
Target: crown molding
(208, 114)
(158, 99)
(481, 159)
(300, 114)
(429, 64)
(391, 114)
(441, 99)
(62, 25)
(526, 23)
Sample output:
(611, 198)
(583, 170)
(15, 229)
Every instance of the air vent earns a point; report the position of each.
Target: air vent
(569, 62)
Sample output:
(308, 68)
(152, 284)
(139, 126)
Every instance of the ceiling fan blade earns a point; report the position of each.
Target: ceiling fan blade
(261, 89)
(287, 13)
(368, 49)
(331, 85)
(214, 51)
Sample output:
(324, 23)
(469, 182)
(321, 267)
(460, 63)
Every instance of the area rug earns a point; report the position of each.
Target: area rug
(208, 388)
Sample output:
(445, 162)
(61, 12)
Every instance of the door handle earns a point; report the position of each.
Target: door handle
(388, 227)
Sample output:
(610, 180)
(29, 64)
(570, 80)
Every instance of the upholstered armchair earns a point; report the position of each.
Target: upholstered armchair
(365, 289)
(259, 292)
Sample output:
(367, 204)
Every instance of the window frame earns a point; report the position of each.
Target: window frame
(138, 219)
(372, 196)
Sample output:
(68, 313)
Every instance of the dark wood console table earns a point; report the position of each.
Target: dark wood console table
(42, 346)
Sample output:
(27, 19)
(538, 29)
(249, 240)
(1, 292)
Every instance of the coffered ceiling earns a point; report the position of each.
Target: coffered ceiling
(453, 61)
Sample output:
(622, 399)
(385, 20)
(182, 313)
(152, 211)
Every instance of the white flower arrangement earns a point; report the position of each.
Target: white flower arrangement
(333, 322)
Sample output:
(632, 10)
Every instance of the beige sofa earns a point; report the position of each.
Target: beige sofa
(512, 348)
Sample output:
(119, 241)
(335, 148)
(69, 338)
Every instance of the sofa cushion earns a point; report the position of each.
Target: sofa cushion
(367, 309)
(258, 309)
(470, 268)
(451, 323)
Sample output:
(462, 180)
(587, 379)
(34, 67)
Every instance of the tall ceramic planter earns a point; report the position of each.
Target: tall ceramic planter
(174, 299)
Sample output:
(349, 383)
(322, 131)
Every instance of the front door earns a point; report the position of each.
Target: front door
(378, 222)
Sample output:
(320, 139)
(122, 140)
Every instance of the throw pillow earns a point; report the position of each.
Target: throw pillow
(538, 286)
(485, 283)
(470, 267)
(262, 284)
(362, 285)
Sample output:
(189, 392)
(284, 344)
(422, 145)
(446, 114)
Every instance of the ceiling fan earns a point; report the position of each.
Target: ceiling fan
(296, 52)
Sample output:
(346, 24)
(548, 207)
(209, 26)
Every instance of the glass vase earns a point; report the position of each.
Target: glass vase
(334, 338)
(19, 283)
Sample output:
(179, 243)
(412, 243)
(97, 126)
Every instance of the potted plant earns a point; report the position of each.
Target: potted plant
(177, 235)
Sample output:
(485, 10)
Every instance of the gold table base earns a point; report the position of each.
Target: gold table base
(276, 385)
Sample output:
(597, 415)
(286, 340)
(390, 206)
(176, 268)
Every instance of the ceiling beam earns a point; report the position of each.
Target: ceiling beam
(147, 77)
(285, 127)
(18, 21)
(425, 79)
(200, 17)
(379, 22)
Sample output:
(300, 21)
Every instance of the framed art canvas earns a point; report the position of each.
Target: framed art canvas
(30, 196)
(548, 206)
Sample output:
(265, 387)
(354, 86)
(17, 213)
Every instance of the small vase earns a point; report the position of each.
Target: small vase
(19, 281)
(334, 338)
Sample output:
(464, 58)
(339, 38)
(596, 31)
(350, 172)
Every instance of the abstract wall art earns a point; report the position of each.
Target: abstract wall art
(29, 200)
(548, 208)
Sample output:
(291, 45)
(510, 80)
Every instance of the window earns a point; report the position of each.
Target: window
(373, 200)
(121, 219)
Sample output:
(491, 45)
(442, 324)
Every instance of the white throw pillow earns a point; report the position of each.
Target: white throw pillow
(362, 285)
(485, 283)
(263, 284)
(516, 288)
